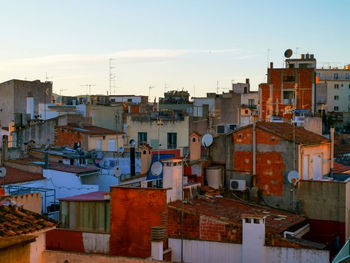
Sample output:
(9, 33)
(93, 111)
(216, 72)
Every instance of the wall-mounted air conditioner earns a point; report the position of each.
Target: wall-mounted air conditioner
(238, 185)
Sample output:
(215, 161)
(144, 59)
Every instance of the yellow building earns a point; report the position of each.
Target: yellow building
(89, 137)
(169, 132)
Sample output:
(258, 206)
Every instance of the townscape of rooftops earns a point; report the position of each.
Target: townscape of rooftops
(237, 176)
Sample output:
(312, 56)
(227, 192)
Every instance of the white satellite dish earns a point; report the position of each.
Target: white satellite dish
(120, 149)
(207, 140)
(293, 177)
(117, 171)
(156, 168)
(2, 172)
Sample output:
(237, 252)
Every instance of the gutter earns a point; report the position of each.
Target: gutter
(299, 233)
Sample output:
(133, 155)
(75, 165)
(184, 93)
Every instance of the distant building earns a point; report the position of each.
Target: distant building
(164, 130)
(333, 89)
(288, 88)
(176, 100)
(21, 97)
(89, 137)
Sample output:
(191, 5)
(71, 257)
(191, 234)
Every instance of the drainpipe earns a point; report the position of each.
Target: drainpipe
(332, 151)
(4, 153)
(254, 153)
(132, 157)
(46, 166)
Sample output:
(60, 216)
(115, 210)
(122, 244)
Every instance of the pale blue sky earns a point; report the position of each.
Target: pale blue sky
(184, 44)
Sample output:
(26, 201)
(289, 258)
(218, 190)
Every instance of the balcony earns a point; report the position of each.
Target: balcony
(250, 106)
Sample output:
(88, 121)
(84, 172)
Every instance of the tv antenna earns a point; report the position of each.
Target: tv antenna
(88, 88)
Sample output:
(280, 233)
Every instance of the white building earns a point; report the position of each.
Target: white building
(333, 89)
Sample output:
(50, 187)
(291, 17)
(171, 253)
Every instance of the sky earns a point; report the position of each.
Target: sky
(199, 46)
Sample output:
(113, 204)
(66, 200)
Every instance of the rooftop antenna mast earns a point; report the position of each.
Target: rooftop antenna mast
(88, 88)
(217, 87)
(149, 92)
(112, 77)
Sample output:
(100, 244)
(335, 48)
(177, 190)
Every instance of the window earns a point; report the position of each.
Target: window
(233, 127)
(347, 76)
(193, 139)
(335, 76)
(112, 100)
(336, 97)
(251, 103)
(288, 97)
(142, 138)
(129, 100)
(99, 143)
(336, 86)
(220, 129)
(172, 140)
(349, 97)
(246, 111)
(288, 78)
(336, 108)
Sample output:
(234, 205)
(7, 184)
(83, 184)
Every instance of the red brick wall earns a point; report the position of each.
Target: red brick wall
(191, 225)
(269, 173)
(243, 162)
(304, 80)
(202, 228)
(67, 138)
(269, 165)
(133, 212)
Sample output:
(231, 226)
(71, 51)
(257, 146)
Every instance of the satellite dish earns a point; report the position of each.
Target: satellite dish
(288, 53)
(132, 142)
(156, 168)
(293, 177)
(2, 171)
(117, 171)
(207, 140)
(120, 149)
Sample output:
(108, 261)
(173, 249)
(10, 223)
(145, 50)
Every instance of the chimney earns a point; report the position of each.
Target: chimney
(195, 146)
(253, 237)
(132, 157)
(146, 158)
(271, 64)
(158, 236)
(247, 81)
(172, 178)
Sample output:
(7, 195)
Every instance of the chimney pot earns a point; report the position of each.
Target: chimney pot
(271, 64)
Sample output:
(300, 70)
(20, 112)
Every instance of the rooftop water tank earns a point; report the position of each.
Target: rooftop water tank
(214, 176)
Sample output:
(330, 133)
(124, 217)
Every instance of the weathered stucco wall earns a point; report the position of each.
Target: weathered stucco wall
(18, 253)
(133, 212)
(31, 202)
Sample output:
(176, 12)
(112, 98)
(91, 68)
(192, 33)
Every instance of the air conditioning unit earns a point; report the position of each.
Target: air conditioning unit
(143, 184)
(238, 185)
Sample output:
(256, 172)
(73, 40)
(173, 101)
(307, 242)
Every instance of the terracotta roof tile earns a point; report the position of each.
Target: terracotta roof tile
(231, 210)
(285, 131)
(14, 175)
(16, 221)
(340, 168)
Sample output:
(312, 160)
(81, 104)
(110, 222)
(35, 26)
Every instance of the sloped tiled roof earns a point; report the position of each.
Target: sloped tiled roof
(15, 221)
(14, 176)
(232, 210)
(90, 130)
(340, 168)
(285, 131)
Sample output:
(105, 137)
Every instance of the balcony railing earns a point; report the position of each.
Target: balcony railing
(250, 106)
